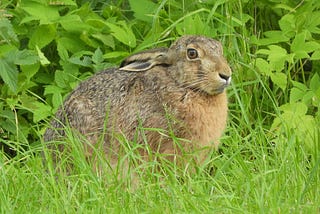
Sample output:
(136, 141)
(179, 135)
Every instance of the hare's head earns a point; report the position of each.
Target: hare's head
(199, 64)
(194, 62)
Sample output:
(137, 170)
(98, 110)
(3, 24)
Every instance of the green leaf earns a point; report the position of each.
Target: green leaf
(72, 44)
(263, 66)
(61, 78)
(73, 23)
(26, 57)
(280, 79)
(52, 89)
(28, 71)
(115, 54)
(56, 93)
(63, 2)
(42, 57)
(278, 56)
(9, 74)
(301, 48)
(315, 82)
(298, 108)
(97, 56)
(296, 94)
(62, 51)
(105, 39)
(299, 85)
(82, 61)
(294, 118)
(192, 25)
(38, 38)
(41, 112)
(123, 33)
(143, 9)
(7, 32)
(288, 25)
(272, 37)
(315, 55)
(44, 13)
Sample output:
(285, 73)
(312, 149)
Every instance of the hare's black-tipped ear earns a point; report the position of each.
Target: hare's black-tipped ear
(145, 60)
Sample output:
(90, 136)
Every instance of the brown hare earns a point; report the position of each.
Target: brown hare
(186, 81)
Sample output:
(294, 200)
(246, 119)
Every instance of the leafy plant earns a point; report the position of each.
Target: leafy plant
(282, 57)
(47, 47)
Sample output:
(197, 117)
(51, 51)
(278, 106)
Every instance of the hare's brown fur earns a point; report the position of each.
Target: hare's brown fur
(147, 88)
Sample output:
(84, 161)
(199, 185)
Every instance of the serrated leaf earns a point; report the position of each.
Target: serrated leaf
(73, 45)
(26, 57)
(97, 56)
(84, 61)
(301, 47)
(61, 79)
(44, 13)
(123, 33)
(297, 108)
(41, 112)
(74, 23)
(295, 118)
(28, 71)
(9, 74)
(192, 25)
(143, 9)
(38, 38)
(278, 56)
(7, 32)
(272, 37)
(62, 51)
(52, 89)
(56, 92)
(105, 39)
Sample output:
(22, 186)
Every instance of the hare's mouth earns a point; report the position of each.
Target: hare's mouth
(215, 89)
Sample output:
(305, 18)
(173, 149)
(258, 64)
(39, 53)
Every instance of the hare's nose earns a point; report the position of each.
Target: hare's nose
(227, 78)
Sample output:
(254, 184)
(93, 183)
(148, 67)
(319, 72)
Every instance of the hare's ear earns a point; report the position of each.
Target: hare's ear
(145, 60)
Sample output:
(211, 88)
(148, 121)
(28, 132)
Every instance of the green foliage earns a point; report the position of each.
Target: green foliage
(281, 56)
(47, 47)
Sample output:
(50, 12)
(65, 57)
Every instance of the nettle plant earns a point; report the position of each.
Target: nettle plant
(47, 47)
(286, 56)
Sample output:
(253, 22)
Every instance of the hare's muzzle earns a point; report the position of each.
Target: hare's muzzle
(225, 78)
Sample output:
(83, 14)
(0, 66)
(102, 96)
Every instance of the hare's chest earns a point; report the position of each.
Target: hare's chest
(205, 118)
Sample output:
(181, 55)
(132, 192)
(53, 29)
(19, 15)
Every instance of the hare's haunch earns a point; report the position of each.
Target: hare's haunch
(186, 81)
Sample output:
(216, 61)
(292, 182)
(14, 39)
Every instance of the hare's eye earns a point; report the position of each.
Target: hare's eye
(192, 53)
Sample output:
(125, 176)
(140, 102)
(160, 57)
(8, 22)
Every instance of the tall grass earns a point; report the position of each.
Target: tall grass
(254, 170)
(252, 173)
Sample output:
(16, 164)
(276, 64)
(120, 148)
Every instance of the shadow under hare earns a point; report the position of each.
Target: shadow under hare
(180, 89)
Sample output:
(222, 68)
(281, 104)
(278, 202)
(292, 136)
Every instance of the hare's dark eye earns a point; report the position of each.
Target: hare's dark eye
(192, 53)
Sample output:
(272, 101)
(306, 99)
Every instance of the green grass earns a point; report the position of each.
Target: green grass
(253, 173)
(256, 170)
